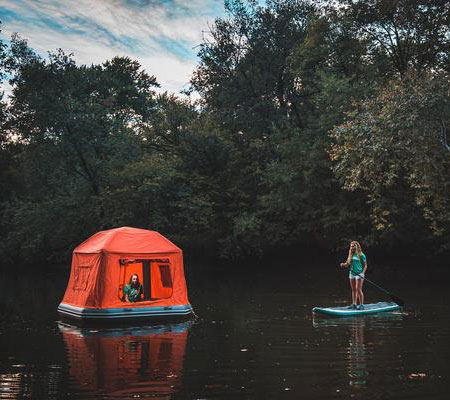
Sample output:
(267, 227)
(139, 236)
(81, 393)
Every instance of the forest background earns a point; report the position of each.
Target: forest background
(316, 122)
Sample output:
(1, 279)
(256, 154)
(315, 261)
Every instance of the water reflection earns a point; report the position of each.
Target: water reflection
(357, 369)
(127, 362)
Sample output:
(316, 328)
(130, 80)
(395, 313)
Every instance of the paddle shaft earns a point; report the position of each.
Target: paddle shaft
(394, 298)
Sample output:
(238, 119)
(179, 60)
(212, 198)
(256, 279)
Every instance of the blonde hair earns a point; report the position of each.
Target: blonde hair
(358, 252)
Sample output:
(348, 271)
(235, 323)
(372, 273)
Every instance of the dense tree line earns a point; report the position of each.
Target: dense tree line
(317, 122)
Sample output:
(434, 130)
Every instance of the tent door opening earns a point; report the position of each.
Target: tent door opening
(155, 276)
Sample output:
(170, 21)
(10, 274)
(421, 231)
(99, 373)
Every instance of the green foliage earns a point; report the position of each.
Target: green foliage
(244, 75)
(77, 127)
(412, 34)
(318, 122)
(284, 66)
(395, 145)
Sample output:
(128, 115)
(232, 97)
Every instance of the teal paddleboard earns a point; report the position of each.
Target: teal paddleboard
(346, 312)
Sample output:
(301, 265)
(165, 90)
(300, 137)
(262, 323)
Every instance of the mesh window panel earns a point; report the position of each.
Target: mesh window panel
(166, 278)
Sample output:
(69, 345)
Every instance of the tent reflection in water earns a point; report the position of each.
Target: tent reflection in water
(102, 266)
(127, 363)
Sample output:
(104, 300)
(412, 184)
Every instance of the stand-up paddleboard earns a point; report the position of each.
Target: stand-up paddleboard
(347, 312)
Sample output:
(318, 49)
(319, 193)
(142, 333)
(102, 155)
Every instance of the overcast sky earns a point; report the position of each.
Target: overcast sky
(161, 34)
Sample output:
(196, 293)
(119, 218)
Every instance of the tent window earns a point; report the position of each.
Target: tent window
(155, 278)
(166, 278)
(82, 277)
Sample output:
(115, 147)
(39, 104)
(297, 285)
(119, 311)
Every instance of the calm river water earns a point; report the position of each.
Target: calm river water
(254, 338)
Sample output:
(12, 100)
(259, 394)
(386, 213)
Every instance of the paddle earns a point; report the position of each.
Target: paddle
(394, 298)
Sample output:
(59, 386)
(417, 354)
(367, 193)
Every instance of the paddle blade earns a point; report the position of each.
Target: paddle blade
(397, 300)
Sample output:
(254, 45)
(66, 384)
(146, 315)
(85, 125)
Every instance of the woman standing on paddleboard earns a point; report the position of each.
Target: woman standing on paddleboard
(357, 263)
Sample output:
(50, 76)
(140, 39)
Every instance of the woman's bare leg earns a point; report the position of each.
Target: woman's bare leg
(359, 292)
(354, 290)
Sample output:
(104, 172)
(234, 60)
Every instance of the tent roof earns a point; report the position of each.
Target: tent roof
(127, 240)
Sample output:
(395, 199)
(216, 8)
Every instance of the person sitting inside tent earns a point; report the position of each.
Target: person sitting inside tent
(133, 290)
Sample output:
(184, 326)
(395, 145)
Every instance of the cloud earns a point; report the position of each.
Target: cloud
(160, 34)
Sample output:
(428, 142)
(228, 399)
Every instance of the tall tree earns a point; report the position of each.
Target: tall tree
(277, 78)
(244, 74)
(80, 125)
(413, 34)
(397, 143)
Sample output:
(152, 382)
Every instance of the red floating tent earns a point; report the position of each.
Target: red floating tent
(103, 264)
